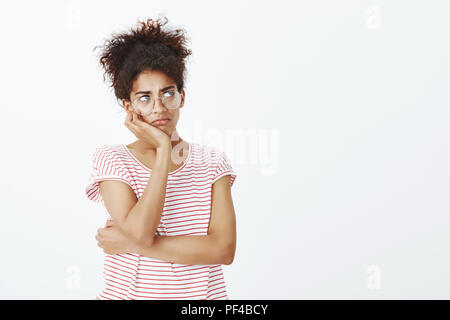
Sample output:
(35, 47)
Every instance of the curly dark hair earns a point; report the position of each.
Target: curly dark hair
(146, 46)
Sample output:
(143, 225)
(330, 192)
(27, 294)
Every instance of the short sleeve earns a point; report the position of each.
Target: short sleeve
(106, 165)
(223, 167)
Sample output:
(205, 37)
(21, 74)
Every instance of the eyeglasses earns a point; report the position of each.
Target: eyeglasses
(144, 104)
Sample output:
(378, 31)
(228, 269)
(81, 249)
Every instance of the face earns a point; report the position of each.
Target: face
(152, 83)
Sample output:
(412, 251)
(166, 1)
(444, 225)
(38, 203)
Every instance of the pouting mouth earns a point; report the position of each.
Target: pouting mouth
(160, 119)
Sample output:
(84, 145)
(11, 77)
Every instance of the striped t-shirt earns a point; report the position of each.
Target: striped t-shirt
(187, 211)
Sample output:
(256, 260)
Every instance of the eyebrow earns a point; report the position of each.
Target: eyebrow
(147, 92)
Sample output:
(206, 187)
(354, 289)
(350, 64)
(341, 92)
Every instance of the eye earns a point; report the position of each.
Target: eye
(169, 93)
(144, 98)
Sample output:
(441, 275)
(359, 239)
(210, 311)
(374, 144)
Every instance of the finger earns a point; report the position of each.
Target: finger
(136, 120)
(100, 231)
(131, 124)
(140, 119)
(129, 117)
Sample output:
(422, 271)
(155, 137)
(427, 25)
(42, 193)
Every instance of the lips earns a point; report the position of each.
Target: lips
(161, 121)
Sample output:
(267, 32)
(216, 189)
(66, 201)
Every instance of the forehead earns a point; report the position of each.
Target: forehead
(149, 80)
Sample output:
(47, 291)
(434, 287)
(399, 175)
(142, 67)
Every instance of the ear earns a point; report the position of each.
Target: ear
(126, 104)
(183, 93)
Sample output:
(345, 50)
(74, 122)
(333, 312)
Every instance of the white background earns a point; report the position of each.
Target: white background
(347, 102)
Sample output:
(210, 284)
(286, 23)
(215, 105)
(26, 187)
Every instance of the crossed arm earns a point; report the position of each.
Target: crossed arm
(217, 247)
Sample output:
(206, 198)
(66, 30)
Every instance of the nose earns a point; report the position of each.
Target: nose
(158, 105)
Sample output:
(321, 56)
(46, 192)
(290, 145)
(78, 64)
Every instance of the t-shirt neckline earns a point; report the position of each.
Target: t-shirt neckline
(150, 170)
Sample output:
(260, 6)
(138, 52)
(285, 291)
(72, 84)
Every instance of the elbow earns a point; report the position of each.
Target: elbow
(228, 254)
(224, 249)
(228, 260)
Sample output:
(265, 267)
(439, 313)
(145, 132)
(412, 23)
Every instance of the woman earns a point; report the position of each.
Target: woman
(172, 221)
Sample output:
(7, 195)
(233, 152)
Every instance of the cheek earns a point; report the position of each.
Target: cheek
(175, 117)
(145, 119)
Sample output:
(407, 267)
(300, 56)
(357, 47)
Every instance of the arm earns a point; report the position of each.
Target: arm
(139, 218)
(201, 249)
(217, 247)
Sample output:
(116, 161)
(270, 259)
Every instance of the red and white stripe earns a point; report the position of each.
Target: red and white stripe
(187, 211)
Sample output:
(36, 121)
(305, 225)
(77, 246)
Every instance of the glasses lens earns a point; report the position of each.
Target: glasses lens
(171, 99)
(143, 105)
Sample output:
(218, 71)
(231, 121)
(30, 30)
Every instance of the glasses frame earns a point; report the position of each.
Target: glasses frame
(132, 103)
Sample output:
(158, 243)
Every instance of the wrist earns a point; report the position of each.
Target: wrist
(163, 156)
(164, 148)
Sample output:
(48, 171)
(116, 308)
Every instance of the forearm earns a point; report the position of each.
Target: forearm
(200, 250)
(143, 219)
